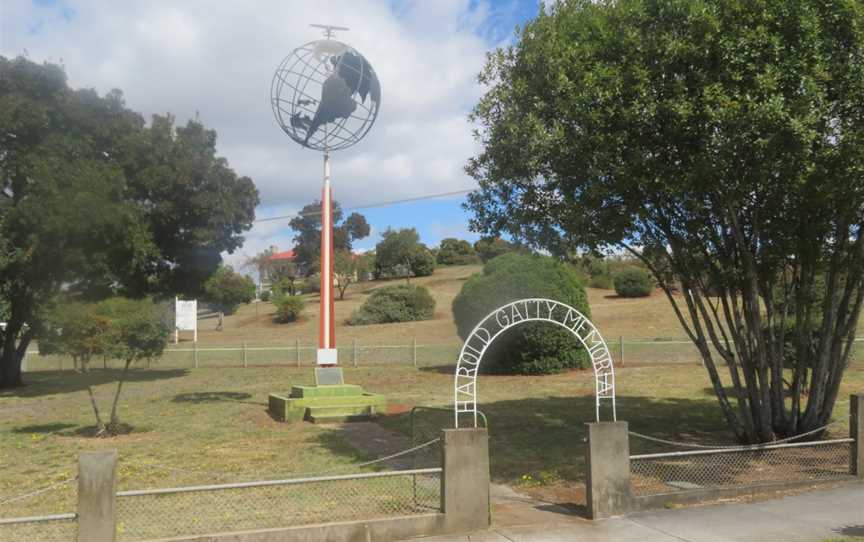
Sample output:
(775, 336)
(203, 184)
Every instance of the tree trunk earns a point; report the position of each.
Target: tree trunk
(100, 425)
(11, 354)
(114, 420)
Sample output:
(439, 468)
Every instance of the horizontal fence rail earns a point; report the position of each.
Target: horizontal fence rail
(670, 472)
(636, 351)
(39, 528)
(736, 449)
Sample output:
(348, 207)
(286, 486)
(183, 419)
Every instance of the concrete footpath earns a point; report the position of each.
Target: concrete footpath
(835, 513)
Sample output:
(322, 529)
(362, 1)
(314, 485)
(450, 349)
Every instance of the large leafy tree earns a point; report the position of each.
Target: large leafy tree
(96, 201)
(722, 143)
(400, 252)
(307, 224)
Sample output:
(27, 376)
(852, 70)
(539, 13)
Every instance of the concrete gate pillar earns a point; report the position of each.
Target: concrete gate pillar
(97, 496)
(465, 481)
(607, 460)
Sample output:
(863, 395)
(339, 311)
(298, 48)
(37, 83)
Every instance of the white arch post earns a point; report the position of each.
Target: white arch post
(519, 312)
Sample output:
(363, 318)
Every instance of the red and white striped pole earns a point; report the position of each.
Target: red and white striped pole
(327, 353)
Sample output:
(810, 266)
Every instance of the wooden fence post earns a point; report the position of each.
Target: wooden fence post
(297, 348)
(195, 353)
(354, 352)
(414, 351)
(245, 361)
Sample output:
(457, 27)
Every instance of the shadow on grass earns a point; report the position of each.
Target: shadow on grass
(56, 382)
(214, 397)
(544, 436)
(72, 430)
(43, 429)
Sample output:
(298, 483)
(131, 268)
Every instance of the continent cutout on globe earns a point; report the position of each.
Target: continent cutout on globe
(351, 75)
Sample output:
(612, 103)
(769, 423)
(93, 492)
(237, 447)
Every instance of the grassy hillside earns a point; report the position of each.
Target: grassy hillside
(640, 322)
(633, 318)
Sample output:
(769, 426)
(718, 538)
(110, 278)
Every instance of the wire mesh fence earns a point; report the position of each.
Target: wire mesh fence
(147, 514)
(39, 528)
(43, 514)
(355, 353)
(652, 474)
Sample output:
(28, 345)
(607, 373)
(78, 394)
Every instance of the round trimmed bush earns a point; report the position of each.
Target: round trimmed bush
(288, 307)
(532, 347)
(399, 303)
(633, 282)
(265, 296)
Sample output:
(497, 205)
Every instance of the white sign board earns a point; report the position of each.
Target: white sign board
(186, 317)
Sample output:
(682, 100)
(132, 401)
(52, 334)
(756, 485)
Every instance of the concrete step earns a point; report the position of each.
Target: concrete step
(339, 419)
(339, 413)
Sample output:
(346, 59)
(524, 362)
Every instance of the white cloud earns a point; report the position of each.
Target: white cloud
(216, 59)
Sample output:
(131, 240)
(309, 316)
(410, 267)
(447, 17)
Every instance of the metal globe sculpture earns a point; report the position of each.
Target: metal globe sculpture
(325, 95)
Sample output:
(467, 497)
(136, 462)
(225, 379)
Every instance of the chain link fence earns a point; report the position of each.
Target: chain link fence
(43, 514)
(39, 528)
(163, 513)
(227, 505)
(652, 474)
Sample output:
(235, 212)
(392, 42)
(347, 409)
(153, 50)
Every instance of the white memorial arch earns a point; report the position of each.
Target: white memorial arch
(519, 312)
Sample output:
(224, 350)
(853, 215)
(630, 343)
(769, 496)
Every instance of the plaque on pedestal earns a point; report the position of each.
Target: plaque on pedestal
(328, 376)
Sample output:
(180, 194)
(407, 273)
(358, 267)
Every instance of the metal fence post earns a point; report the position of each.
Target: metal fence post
(856, 431)
(97, 496)
(621, 346)
(414, 351)
(354, 352)
(195, 353)
(245, 361)
(297, 348)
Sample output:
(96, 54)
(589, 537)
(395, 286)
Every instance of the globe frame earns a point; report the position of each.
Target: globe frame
(280, 85)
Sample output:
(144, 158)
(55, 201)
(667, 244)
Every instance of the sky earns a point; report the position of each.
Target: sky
(216, 60)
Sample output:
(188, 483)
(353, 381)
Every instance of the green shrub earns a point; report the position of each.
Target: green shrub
(533, 347)
(288, 308)
(422, 261)
(633, 282)
(603, 282)
(265, 296)
(399, 303)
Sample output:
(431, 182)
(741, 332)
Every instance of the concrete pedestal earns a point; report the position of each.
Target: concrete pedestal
(326, 404)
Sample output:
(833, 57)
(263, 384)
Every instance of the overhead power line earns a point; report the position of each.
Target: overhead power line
(371, 205)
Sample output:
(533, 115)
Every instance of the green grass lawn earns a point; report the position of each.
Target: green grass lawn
(211, 425)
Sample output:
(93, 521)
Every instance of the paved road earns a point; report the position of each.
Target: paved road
(810, 517)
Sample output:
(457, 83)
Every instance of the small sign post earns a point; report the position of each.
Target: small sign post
(186, 318)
